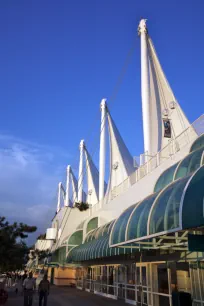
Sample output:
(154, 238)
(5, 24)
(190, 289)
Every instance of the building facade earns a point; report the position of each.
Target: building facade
(140, 236)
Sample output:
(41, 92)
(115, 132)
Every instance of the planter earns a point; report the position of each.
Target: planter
(82, 206)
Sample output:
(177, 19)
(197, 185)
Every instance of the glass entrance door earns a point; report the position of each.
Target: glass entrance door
(121, 277)
(79, 278)
(143, 297)
(89, 280)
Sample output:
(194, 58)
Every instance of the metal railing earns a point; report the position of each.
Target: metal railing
(186, 137)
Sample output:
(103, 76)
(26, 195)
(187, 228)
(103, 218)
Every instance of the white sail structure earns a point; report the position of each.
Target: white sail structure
(92, 179)
(121, 161)
(61, 194)
(71, 183)
(163, 118)
(88, 169)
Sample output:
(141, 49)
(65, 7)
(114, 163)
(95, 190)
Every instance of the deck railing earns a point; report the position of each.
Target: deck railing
(187, 136)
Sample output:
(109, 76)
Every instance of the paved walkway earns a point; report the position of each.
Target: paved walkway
(65, 296)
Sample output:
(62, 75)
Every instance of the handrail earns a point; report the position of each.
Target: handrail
(187, 136)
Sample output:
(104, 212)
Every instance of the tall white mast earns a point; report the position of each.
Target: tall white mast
(80, 179)
(67, 186)
(59, 196)
(102, 154)
(142, 31)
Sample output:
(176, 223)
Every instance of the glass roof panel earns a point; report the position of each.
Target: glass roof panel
(165, 178)
(193, 203)
(76, 238)
(165, 214)
(189, 164)
(198, 143)
(118, 233)
(92, 224)
(138, 223)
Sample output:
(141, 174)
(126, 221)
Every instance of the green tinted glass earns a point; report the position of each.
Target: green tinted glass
(62, 255)
(193, 203)
(165, 178)
(118, 234)
(165, 214)
(76, 238)
(92, 224)
(190, 164)
(138, 223)
(198, 143)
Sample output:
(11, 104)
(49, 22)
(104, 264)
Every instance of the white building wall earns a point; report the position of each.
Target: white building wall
(43, 244)
(114, 208)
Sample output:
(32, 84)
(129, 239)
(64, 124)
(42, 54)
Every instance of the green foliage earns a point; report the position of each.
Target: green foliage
(82, 206)
(13, 249)
(41, 254)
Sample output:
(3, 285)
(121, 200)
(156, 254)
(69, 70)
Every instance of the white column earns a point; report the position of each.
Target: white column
(59, 196)
(142, 30)
(80, 179)
(67, 187)
(74, 188)
(102, 153)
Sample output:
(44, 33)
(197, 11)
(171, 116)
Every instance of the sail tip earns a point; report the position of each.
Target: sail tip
(142, 28)
(103, 103)
(82, 143)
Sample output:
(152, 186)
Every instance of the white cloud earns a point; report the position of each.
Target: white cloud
(29, 175)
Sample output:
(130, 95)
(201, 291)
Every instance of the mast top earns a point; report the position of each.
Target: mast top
(82, 144)
(103, 103)
(142, 28)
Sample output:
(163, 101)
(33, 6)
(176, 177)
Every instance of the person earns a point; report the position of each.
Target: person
(9, 280)
(29, 287)
(44, 290)
(24, 276)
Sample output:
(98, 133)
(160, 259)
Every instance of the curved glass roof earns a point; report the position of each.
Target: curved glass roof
(186, 166)
(92, 224)
(165, 178)
(98, 232)
(119, 226)
(198, 143)
(137, 226)
(177, 207)
(96, 248)
(165, 211)
(189, 164)
(192, 207)
(76, 238)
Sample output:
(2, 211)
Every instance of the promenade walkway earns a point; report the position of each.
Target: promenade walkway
(65, 296)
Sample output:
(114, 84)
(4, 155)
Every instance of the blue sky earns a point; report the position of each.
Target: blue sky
(58, 60)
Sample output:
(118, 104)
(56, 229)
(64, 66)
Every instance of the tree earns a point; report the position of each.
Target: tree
(13, 249)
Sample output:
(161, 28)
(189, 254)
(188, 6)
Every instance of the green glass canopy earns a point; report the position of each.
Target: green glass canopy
(198, 143)
(185, 167)
(177, 207)
(165, 178)
(92, 224)
(98, 247)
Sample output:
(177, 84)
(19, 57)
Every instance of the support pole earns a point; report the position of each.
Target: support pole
(59, 196)
(74, 188)
(67, 187)
(80, 179)
(102, 155)
(142, 31)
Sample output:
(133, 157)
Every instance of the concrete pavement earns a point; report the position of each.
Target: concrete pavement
(65, 296)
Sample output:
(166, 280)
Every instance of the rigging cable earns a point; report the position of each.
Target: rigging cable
(112, 98)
